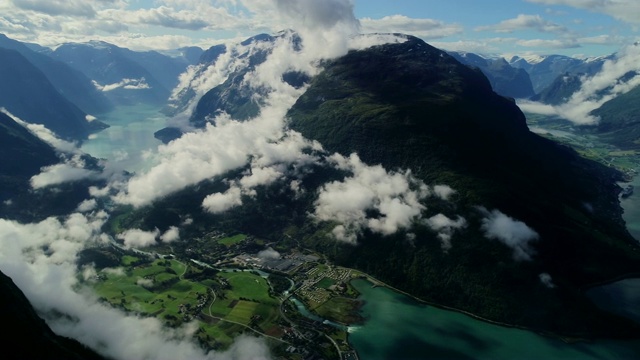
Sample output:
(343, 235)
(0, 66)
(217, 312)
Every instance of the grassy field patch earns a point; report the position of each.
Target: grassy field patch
(341, 310)
(325, 283)
(242, 312)
(249, 286)
(128, 260)
(228, 241)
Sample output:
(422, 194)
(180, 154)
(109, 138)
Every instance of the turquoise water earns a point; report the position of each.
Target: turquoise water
(631, 206)
(128, 138)
(399, 328)
(621, 297)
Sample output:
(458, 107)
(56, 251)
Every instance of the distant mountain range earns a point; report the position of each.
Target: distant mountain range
(27, 93)
(70, 83)
(544, 70)
(125, 76)
(505, 79)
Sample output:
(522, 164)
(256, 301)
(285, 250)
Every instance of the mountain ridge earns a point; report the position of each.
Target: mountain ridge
(76, 87)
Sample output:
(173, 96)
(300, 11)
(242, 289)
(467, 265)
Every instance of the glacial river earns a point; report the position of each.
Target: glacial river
(397, 327)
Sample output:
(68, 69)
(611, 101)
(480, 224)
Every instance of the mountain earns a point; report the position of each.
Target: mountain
(23, 156)
(232, 95)
(71, 83)
(27, 93)
(560, 89)
(125, 76)
(410, 106)
(27, 335)
(505, 79)
(620, 120)
(544, 70)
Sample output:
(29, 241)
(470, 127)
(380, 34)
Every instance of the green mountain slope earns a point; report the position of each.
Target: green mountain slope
(23, 155)
(560, 90)
(412, 106)
(27, 93)
(620, 120)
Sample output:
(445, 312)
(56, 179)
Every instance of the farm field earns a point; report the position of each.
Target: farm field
(226, 304)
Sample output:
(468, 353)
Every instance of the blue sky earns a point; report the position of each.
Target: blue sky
(503, 27)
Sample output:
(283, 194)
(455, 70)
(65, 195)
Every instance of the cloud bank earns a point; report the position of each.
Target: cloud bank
(40, 258)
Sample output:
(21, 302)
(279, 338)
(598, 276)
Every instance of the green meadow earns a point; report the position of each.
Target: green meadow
(231, 240)
(158, 289)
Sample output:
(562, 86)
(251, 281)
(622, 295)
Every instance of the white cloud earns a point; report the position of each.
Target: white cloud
(45, 134)
(220, 202)
(525, 22)
(269, 254)
(128, 84)
(513, 233)
(445, 228)
(87, 205)
(625, 10)
(546, 280)
(171, 235)
(119, 271)
(550, 43)
(144, 282)
(394, 196)
(58, 7)
(229, 144)
(424, 28)
(444, 192)
(136, 238)
(596, 90)
(40, 258)
(61, 173)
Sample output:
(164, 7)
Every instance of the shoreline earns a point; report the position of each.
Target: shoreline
(564, 338)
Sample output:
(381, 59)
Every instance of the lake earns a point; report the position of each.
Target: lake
(398, 327)
(631, 206)
(129, 137)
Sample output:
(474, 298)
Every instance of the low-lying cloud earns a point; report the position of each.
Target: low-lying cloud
(61, 173)
(445, 227)
(613, 80)
(127, 84)
(511, 232)
(269, 254)
(136, 238)
(40, 258)
(546, 280)
(395, 198)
